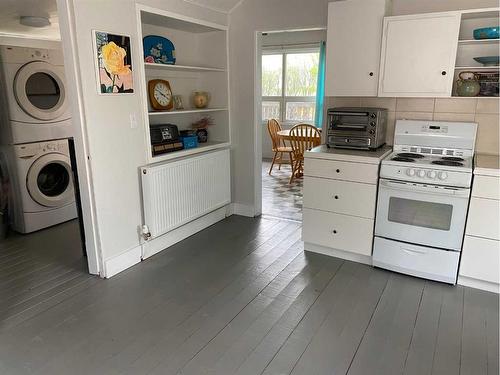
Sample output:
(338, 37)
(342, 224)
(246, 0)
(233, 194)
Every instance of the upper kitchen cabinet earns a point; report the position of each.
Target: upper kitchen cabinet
(353, 46)
(418, 55)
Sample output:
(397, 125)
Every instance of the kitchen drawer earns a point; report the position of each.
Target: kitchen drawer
(481, 259)
(420, 261)
(483, 220)
(343, 197)
(337, 231)
(341, 170)
(486, 187)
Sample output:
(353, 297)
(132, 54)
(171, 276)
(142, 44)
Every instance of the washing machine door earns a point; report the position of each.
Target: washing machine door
(39, 90)
(49, 181)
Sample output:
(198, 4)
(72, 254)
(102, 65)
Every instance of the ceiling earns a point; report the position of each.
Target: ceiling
(11, 10)
(224, 6)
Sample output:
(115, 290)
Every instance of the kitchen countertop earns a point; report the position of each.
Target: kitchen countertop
(487, 165)
(359, 156)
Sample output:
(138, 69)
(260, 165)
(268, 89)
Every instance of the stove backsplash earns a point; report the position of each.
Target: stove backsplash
(484, 111)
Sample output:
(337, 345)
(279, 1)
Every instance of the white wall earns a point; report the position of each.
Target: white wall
(264, 15)
(117, 150)
(252, 16)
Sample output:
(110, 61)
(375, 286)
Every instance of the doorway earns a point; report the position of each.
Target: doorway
(43, 244)
(288, 63)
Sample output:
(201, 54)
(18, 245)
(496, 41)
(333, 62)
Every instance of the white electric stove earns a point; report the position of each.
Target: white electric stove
(423, 198)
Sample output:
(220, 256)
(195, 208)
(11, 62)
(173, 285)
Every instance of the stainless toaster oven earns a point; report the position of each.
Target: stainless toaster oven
(356, 127)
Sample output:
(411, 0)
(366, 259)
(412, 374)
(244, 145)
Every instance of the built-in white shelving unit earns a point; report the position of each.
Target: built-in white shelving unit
(201, 65)
(468, 48)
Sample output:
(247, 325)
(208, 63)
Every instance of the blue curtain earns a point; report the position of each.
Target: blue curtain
(320, 93)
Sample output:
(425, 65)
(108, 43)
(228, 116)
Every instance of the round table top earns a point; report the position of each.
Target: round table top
(285, 134)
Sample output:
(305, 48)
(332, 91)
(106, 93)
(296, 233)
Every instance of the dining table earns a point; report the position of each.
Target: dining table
(285, 134)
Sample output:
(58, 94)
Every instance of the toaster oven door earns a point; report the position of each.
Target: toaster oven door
(349, 122)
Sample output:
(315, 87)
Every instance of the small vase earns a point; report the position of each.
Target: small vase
(201, 99)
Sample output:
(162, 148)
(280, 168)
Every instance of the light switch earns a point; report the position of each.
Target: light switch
(133, 121)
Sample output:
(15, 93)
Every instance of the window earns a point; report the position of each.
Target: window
(289, 81)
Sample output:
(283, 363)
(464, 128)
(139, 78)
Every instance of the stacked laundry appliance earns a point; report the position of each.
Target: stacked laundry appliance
(35, 125)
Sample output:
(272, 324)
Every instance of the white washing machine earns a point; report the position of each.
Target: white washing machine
(42, 191)
(33, 96)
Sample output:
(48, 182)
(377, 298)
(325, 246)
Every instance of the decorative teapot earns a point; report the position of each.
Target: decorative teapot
(201, 99)
(468, 84)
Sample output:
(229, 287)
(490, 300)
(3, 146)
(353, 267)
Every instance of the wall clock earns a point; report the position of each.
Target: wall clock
(160, 95)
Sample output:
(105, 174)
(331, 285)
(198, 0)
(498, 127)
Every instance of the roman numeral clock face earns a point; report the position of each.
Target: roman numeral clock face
(160, 95)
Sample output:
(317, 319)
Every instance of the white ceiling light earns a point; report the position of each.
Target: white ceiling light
(34, 21)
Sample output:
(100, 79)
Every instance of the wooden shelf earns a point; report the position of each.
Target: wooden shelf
(496, 67)
(202, 147)
(477, 42)
(185, 111)
(183, 67)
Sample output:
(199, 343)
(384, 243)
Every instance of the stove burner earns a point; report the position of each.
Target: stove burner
(399, 158)
(451, 158)
(450, 163)
(410, 155)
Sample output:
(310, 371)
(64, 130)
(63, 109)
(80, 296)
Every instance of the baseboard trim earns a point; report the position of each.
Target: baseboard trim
(163, 242)
(338, 253)
(243, 210)
(122, 261)
(479, 284)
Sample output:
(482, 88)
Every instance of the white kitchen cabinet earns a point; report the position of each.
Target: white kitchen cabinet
(353, 47)
(480, 261)
(418, 55)
(340, 194)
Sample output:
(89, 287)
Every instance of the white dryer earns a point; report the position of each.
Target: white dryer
(42, 191)
(34, 98)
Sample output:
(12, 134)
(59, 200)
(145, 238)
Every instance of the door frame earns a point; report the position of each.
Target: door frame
(82, 154)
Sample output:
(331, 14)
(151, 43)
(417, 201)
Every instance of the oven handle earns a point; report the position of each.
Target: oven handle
(411, 187)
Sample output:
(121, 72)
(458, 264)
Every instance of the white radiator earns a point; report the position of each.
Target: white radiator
(177, 192)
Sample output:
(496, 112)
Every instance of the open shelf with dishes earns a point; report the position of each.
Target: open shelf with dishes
(200, 65)
(477, 59)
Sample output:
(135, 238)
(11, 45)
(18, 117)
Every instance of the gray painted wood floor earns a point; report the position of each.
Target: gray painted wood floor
(241, 297)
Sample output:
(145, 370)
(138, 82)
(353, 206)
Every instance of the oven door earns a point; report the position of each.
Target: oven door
(428, 215)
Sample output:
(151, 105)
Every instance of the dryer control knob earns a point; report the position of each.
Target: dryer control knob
(421, 173)
(410, 172)
(443, 175)
(51, 146)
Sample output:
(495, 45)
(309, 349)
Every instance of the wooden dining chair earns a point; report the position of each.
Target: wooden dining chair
(303, 137)
(279, 147)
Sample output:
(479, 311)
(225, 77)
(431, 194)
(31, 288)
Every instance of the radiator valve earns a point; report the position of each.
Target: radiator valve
(146, 234)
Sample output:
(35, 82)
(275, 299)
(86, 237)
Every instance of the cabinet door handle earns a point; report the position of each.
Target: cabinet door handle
(338, 170)
(336, 196)
(371, 74)
(443, 73)
(334, 231)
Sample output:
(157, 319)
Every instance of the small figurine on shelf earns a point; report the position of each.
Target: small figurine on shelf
(178, 102)
(201, 128)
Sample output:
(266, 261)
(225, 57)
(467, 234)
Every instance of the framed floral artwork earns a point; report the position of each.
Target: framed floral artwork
(113, 63)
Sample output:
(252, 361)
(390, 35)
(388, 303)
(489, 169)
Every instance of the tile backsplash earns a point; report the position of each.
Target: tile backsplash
(484, 111)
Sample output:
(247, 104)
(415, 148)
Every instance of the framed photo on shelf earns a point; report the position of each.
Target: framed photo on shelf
(113, 63)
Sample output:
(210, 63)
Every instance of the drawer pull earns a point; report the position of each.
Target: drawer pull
(336, 197)
(334, 231)
(338, 171)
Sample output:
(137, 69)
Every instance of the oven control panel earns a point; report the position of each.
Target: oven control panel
(427, 174)
(436, 177)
